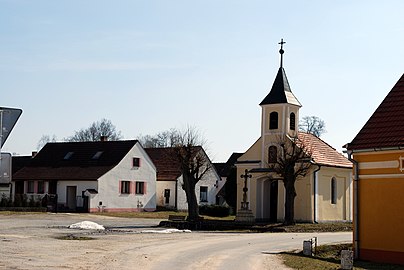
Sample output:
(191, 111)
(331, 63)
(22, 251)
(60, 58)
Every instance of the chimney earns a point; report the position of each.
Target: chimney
(34, 154)
(104, 138)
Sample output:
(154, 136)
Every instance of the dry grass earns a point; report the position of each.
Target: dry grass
(9, 213)
(315, 227)
(157, 215)
(329, 257)
(74, 237)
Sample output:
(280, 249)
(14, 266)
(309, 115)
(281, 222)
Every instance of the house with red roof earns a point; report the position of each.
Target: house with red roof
(169, 192)
(103, 176)
(324, 194)
(378, 154)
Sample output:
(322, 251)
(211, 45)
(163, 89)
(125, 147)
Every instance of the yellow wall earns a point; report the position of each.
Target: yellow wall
(342, 209)
(381, 201)
(303, 200)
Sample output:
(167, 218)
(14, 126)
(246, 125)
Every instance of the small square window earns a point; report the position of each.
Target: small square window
(136, 162)
(140, 188)
(125, 187)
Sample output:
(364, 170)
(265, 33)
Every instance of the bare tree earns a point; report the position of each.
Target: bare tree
(185, 148)
(96, 131)
(313, 125)
(292, 163)
(162, 139)
(44, 140)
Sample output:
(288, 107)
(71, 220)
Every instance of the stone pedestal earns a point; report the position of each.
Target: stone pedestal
(346, 259)
(245, 216)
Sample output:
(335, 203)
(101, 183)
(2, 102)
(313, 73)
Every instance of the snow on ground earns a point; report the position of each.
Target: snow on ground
(86, 225)
(166, 231)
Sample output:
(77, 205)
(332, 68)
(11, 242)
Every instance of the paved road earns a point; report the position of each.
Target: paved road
(29, 242)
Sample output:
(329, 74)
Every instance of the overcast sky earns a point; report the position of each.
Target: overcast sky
(149, 66)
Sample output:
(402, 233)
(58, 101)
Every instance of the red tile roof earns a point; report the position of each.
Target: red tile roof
(322, 153)
(167, 168)
(384, 129)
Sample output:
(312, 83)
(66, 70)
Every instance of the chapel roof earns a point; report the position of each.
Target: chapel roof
(280, 91)
(322, 153)
(384, 129)
(75, 160)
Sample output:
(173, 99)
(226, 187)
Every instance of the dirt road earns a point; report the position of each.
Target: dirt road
(30, 242)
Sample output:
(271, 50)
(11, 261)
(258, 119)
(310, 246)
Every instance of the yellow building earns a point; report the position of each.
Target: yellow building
(378, 152)
(324, 194)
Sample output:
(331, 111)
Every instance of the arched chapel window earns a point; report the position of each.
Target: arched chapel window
(272, 154)
(333, 190)
(273, 120)
(292, 121)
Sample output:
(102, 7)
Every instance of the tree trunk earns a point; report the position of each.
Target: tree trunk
(289, 183)
(189, 188)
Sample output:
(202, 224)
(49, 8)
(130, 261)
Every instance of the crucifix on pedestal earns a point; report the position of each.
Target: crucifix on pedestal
(244, 203)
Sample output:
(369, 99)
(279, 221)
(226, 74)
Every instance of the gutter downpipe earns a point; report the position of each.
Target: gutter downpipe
(355, 204)
(315, 193)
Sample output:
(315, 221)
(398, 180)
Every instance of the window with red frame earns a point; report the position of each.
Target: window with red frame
(140, 188)
(125, 187)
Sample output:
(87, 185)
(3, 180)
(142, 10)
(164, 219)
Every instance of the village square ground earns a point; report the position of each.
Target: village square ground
(31, 242)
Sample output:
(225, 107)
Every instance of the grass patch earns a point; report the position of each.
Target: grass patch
(10, 213)
(329, 257)
(157, 215)
(74, 237)
(312, 227)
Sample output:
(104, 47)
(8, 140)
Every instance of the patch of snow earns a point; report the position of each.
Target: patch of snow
(86, 225)
(167, 231)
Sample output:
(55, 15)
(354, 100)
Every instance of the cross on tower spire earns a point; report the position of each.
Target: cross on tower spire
(281, 51)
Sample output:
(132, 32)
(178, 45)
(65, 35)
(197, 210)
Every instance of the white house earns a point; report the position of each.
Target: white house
(169, 190)
(91, 176)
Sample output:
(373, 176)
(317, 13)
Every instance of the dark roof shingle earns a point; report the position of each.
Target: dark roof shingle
(280, 91)
(54, 163)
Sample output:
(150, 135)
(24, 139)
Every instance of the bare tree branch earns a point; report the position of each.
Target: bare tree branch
(292, 163)
(96, 131)
(313, 125)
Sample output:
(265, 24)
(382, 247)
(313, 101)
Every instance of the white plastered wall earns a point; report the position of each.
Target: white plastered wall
(108, 185)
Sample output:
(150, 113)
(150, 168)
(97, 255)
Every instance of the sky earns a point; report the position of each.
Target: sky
(149, 66)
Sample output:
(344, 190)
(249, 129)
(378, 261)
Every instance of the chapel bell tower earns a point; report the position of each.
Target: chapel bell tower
(280, 111)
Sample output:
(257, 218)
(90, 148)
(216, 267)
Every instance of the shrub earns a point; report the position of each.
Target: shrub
(214, 210)
(5, 201)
